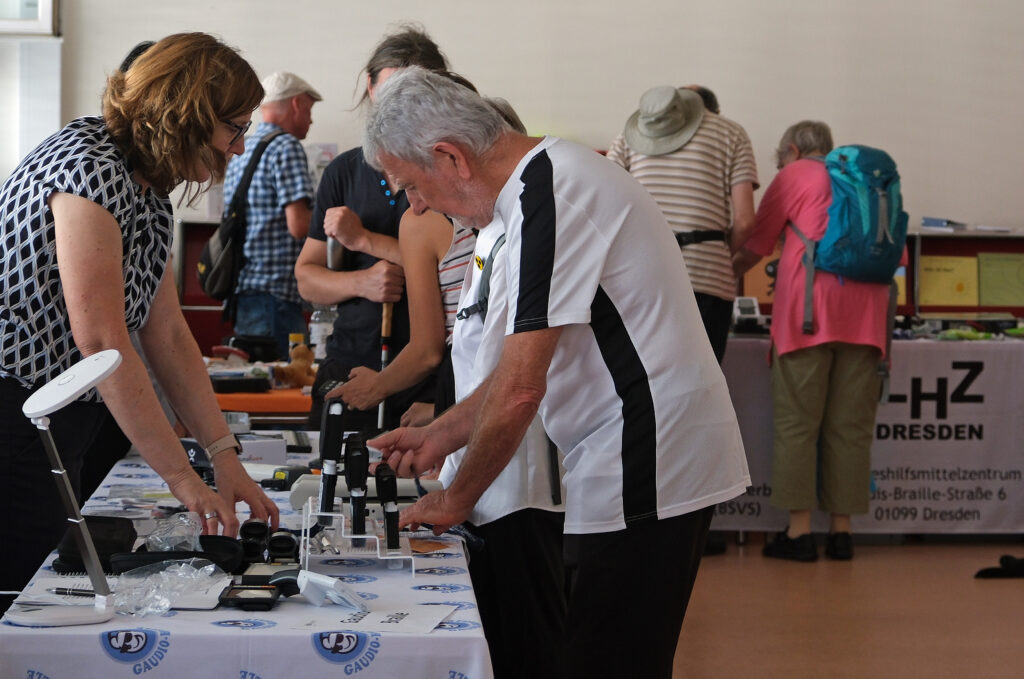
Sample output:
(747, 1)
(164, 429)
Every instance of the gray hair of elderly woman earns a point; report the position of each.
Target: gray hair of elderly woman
(808, 136)
(417, 109)
(507, 112)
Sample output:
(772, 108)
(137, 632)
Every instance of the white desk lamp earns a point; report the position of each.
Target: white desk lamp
(54, 395)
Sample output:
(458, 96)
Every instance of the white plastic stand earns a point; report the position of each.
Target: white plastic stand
(54, 395)
(338, 542)
(319, 589)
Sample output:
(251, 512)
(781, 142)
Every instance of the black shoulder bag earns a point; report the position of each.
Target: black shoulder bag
(222, 257)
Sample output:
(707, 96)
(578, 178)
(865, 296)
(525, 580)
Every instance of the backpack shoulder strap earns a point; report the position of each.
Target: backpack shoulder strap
(484, 289)
(241, 193)
(808, 262)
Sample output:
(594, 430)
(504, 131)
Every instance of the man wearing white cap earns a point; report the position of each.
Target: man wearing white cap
(277, 218)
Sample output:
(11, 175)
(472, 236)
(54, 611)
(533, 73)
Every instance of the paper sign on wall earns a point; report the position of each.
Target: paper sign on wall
(1001, 278)
(948, 281)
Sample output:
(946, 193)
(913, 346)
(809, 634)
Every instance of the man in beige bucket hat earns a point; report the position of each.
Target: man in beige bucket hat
(699, 166)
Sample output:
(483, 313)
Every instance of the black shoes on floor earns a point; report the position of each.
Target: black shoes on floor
(801, 548)
(838, 546)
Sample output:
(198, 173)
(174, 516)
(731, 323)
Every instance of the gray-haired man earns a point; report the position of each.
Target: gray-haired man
(603, 339)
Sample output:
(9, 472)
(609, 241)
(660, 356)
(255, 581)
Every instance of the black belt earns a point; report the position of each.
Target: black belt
(690, 237)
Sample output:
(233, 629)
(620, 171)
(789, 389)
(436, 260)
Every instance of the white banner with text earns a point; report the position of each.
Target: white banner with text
(948, 455)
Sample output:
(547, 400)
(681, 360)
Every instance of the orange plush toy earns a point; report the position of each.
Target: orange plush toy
(299, 372)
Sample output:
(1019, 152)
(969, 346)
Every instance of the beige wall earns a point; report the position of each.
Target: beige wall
(938, 83)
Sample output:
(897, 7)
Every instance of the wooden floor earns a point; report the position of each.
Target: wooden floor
(897, 610)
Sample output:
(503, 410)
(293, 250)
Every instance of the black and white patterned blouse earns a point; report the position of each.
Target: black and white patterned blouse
(35, 336)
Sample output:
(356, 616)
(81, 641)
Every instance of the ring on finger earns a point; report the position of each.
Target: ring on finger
(210, 515)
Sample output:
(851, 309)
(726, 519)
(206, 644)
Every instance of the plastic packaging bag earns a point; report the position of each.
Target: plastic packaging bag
(156, 588)
(176, 533)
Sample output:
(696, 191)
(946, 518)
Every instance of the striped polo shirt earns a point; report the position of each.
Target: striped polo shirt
(693, 188)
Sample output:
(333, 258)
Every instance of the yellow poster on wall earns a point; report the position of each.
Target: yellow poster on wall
(1001, 278)
(948, 281)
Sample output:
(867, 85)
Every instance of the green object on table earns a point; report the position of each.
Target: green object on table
(963, 334)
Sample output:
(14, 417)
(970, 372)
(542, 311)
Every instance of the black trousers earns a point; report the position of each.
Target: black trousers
(717, 316)
(519, 582)
(34, 518)
(628, 592)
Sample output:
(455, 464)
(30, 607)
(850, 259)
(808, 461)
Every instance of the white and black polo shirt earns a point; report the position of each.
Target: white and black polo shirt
(477, 341)
(35, 335)
(634, 396)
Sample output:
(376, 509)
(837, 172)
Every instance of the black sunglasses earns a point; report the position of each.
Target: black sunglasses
(239, 130)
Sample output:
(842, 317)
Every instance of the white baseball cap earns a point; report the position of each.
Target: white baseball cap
(284, 85)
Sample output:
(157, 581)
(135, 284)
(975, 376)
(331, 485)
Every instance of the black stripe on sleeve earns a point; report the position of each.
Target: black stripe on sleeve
(639, 428)
(537, 254)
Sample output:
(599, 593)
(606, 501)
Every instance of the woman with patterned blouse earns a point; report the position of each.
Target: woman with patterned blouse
(86, 228)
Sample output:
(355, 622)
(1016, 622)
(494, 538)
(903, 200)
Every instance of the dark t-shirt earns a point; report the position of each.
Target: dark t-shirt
(350, 181)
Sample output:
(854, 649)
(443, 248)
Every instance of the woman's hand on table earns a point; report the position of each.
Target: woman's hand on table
(213, 510)
(235, 485)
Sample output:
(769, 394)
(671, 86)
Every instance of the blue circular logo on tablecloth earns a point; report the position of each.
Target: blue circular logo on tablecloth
(246, 623)
(439, 555)
(459, 605)
(349, 563)
(440, 570)
(352, 579)
(442, 587)
(355, 650)
(457, 625)
(143, 648)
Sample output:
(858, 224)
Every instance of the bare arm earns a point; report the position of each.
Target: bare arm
(90, 256)
(345, 226)
(744, 260)
(742, 215)
(424, 240)
(297, 214)
(382, 282)
(513, 394)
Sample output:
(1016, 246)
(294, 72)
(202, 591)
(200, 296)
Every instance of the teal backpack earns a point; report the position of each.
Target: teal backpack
(867, 227)
(866, 232)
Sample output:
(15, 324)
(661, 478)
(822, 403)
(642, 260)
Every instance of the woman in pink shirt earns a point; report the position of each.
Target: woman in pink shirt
(825, 384)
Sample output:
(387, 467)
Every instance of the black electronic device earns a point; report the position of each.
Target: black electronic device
(287, 581)
(332, 432)
(254, 534)
(283, 478)
(387, 493)
(327, 386)
(199, 461)
(283, 546)
(296, 441)
(250, 597)
(357, 469)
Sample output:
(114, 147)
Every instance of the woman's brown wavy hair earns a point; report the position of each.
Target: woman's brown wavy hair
(163, 111)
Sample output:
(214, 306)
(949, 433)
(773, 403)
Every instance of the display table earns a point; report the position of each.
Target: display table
(292, 640)
(274, 407)
(948, 455)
